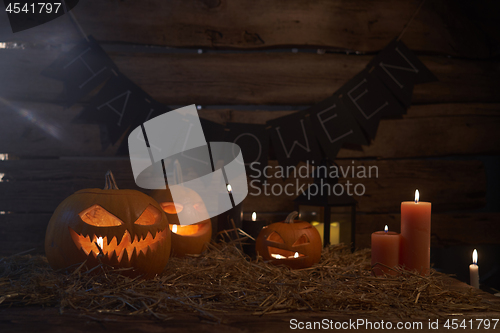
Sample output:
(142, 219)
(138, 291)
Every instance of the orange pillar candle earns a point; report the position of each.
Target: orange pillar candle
(385, 251)
(416, 235)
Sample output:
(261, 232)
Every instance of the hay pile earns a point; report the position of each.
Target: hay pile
(223, 279)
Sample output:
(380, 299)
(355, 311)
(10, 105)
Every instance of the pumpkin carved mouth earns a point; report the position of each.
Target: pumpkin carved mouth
(277, 253)
(125, 246)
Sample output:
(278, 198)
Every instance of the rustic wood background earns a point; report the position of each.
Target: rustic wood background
(248, 73)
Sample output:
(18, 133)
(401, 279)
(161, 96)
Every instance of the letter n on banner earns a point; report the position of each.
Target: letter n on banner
(369, 100)
(253, 140)
(116, 105)
(293, 139)
(81, 69)
(333, 125)
(398, 67)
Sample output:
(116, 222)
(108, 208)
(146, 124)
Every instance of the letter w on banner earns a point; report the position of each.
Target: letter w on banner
(293, 139)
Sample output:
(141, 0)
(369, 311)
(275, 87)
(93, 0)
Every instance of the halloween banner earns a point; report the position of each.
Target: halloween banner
(399, 69)
(368, 100)
(350, 116)
(150, 110)
(334, 124)
(254, 143)
(293, 139)
(178, 136)
(116, 105)
(82, 69)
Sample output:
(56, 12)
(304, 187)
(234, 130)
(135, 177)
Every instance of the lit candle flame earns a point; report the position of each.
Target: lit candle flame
(296, 255)
(417, 196)
(277, 256)
(174, 228)
(228, 186)
(254, 216)
(474, 257)
(100, 243)
(386, 229)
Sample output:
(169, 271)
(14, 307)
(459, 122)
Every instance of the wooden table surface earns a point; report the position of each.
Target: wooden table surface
(38, 319)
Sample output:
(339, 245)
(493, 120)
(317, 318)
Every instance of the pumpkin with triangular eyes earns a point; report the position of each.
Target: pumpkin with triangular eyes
(191, 238)
(296, 244)
(119, 228)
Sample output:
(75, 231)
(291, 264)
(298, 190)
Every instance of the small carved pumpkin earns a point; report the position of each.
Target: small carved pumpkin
(120, 228)
(186, 239)
(296, 244)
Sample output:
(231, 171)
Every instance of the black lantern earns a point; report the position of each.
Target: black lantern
(333, 215)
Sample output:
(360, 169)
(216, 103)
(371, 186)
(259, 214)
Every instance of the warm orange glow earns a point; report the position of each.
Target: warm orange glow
(100, 242)
(99, 217)
(417, 196)
(474, 257)
(283, 254)
(277, 256)
(118, 247)
(254, 216)
(151, 215)
(186, 230)
(172, 208)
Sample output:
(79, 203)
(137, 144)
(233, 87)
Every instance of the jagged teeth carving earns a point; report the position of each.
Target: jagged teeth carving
(119, 247)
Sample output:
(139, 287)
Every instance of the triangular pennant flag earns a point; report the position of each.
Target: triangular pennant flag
(369, 100)
(155, 109)
(334, 125)
(399, 69)
(253, 140)
(213, 131)
(82, 69)
(116, 105)
(293, 139)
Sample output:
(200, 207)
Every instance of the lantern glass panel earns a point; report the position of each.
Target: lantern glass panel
(342, 216)
(340, 222)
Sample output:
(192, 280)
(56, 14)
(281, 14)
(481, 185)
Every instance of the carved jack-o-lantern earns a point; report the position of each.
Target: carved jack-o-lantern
(120, 228)
(186, 239)
(296, 244)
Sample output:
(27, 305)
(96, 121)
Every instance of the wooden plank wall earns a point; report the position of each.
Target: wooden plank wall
(247, 60)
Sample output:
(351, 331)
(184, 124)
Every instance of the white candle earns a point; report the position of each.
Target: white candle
(474, 271)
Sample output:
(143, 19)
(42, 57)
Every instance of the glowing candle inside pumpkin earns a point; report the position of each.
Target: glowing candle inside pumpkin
(254, 216)
(100, 242)
(416, 235)
(174, 228)
(296, 255)
(277, 256)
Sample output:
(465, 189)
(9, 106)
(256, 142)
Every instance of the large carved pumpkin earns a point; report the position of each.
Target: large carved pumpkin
(120, 228)
(296, 244)
(186, 239)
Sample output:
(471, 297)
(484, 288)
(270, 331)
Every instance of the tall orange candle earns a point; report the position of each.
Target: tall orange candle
(385, 251)
(416, 235)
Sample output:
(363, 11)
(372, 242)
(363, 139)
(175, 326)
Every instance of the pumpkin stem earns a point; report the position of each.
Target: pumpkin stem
(110, 182)
(291, 217)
